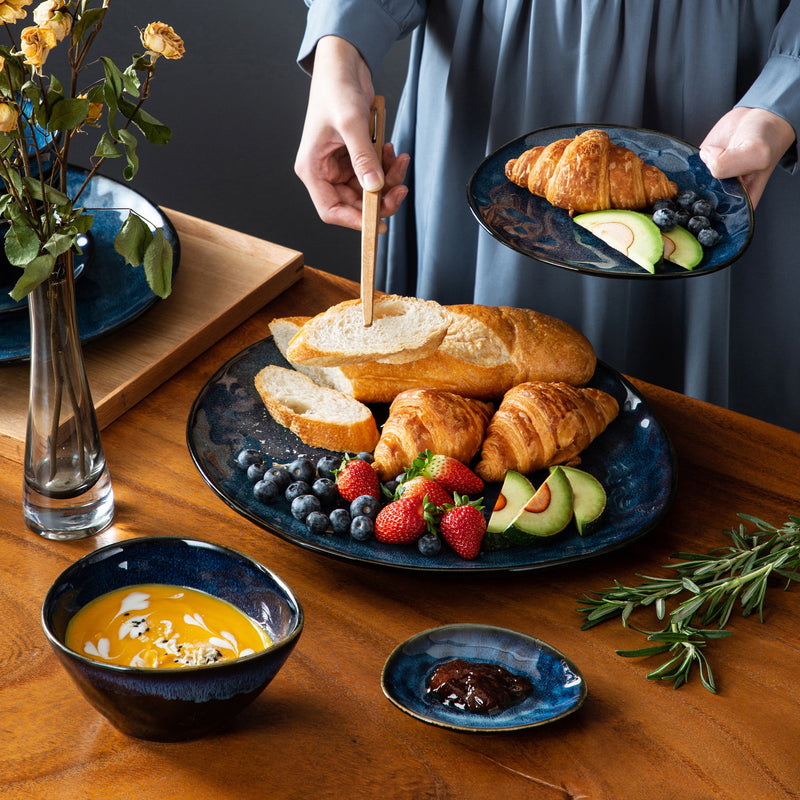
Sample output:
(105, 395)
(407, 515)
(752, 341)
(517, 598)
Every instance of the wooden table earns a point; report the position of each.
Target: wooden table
(323, 727)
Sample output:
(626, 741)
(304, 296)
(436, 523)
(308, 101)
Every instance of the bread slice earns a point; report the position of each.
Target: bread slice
(320, 416)
(403, 329)
(486, 351)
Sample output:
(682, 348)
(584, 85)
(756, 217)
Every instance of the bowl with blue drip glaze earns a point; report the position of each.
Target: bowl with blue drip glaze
(189, 702)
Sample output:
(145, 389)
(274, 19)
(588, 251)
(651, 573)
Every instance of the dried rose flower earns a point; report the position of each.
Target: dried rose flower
(161, 40)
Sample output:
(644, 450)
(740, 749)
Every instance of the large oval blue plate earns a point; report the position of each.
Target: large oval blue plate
(532, 226)
(110, 293)
(633, 459)
(558, 687)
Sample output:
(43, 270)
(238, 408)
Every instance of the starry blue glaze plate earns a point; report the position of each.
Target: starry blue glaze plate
(633, 458)
(532, 226)
(109, 293)
(558, 686)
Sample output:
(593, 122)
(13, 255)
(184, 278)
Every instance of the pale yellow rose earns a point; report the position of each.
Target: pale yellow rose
(161, 40)
(12, 10)
(8, 117)
(36, 43)
(49, 15)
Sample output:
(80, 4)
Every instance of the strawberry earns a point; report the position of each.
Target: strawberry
(451, 473)
(355, 478)
(420, 486)
(403, 521)
(463, 526)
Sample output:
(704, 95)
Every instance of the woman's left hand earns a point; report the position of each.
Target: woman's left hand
(747, 143)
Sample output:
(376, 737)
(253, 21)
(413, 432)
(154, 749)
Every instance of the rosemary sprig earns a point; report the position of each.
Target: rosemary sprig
(705, 590)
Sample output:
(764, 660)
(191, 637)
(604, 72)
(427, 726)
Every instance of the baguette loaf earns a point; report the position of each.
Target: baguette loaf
(320, 416)
(403, 329)
(486, 351)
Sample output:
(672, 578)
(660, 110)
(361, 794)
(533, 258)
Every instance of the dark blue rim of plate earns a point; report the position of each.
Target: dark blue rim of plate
(559, 689)
(110, 294)
(633, 458)
(533, 227)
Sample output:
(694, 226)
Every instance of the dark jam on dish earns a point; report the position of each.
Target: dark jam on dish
(476, 687)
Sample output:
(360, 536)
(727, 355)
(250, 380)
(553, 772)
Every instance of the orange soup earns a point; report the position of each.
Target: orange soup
(163, 626)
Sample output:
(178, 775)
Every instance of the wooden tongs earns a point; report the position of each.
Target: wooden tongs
(371, 216)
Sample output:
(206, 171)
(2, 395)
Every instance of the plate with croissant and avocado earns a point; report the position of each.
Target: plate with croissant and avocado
(611, 200)
(441, 438)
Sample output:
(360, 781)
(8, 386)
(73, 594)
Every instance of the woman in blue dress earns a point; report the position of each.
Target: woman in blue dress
(725, 74)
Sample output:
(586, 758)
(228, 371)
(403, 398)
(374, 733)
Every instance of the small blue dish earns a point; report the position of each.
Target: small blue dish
(558, 687)
(189, 702)
(532, 226)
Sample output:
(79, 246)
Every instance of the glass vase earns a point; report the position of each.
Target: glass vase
(67, 492)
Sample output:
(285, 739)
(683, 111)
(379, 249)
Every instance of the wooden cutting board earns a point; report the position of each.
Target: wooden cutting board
(224, 277)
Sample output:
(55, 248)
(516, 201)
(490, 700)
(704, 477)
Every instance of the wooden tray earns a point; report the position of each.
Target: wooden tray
(224, 277)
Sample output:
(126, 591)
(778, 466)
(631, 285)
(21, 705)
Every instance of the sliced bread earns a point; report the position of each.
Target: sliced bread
(320, 416)
(403, 329)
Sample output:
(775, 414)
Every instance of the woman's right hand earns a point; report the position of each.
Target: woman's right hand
(336, 159)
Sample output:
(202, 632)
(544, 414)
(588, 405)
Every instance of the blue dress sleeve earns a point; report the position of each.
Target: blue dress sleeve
(372, 26)
(777, 87)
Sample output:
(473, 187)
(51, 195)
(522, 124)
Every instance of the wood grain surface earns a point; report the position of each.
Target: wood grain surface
(324, 729)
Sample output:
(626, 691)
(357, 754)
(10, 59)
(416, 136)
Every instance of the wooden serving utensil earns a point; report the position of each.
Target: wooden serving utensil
(371, 217)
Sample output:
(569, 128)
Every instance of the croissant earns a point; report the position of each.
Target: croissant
(589, 173)
(540, 424)
(430, 419)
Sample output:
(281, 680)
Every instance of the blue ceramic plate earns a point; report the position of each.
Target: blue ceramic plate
(532, 226)
(110, 293)
(558, 686)
(633, 459)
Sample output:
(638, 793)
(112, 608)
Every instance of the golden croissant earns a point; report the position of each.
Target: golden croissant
(430, 419)
(541, 424)
(590, 173)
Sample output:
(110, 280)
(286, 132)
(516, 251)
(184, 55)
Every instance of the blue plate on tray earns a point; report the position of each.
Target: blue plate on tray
(532, 226)
(633, 458)
(109, 293)
(558, 686)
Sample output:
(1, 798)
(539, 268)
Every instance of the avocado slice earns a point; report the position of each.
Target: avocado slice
(515, 492)
(549, 510)
(588, 499)
(682, 248)
(632, 233)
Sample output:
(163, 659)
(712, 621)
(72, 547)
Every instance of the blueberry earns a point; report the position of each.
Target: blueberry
(708, 237)
(280, 475)
(325, 489)
(317, 522)
(429, 544)
(664, 202)
(682, 217)
(664, 218)
(255, 472)
(361, 528)
(364, 506)
(696, 224)
(303, 469)
(266, 491)
(687, 199)
(249, 456)
(303, 505)
(340, 520)
(296, 489)
(327, 466)
(702, 208)
(391, 487)
(365, 456)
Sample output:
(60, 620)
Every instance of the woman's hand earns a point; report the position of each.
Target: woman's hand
(336, 159)
(747, 143)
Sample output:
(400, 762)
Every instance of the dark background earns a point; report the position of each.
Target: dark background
(236, 103)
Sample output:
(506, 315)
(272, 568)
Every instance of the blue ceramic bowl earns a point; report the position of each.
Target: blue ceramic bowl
(185, 703)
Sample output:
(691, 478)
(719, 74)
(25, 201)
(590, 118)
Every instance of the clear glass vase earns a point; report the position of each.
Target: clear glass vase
(67, 492)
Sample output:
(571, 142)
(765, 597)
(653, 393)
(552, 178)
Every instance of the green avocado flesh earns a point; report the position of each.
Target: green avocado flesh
(588, 499)
(630, 232)
(515, 492)
(549, 510)
(682, 248)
